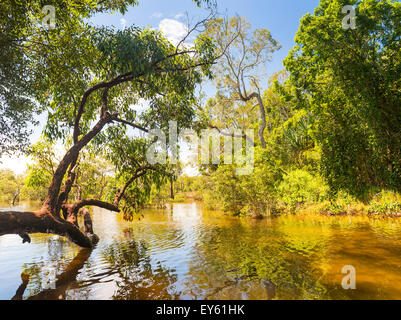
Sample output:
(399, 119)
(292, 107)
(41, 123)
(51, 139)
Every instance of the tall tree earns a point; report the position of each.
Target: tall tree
(245, 53)
(350, 80)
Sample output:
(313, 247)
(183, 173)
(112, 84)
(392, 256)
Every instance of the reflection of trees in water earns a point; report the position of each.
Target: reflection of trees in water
(66, 284)
(64, 259)
(242, 262)
(128, 266)
(137, 277)
(233, 260)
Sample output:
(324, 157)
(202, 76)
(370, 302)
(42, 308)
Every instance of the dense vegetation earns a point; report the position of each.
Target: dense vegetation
(333, 117)
(328, 126)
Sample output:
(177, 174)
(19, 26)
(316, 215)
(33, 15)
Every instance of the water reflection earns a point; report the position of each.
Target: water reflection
(135, 276)
(67, 286)
(128, 268)
(185, 252)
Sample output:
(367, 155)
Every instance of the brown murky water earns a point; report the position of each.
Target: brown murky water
(185, 252)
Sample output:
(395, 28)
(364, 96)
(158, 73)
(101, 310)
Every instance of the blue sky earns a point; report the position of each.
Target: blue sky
(281, 17)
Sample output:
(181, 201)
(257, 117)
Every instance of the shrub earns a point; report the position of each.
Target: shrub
(299, 187)
(179, 197)
(385, 203)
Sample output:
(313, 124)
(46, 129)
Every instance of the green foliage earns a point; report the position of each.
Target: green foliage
(40, 171)
(333, 116)
(66, 67)
(37, 182)
(252, 194)
(158, 197)
(179, 197)
(37, 64)
(299, 187)
(334, 208)
(385, 203)
(244, 54)
(349, 81)
(10, 186)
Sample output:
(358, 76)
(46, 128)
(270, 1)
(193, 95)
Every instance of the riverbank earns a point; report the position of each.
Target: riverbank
(385, 204)
(382, 204)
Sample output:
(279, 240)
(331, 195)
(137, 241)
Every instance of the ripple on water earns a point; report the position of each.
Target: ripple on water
(183, 253)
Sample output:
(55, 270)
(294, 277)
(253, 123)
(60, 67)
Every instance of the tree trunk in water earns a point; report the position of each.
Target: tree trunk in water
(171, 189)
(48, 218)
(21, 289)
(63, 282)
(16, 195)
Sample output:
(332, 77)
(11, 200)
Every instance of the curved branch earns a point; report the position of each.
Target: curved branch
(92, 202)
(130, 124)
(138, 173)
(103, 85)
(51, 201)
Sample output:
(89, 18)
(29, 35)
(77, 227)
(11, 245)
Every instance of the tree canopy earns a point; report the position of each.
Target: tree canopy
(349, 80)
(33, 57)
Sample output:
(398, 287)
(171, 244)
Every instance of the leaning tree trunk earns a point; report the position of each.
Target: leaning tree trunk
(49, 218)
(25, 223)
(16, 195)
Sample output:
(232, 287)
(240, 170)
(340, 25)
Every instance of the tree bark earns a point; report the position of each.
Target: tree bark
(51, 201)
(171, 189)
(71, 210)
(262, 113)
(16, 195)
(138, 173)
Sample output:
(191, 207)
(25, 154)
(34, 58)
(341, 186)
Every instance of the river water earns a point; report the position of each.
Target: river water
(186, 252)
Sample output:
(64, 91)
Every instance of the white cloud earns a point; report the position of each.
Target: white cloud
(157, 15)
(123, 22)
(174, 30)
(179, 15)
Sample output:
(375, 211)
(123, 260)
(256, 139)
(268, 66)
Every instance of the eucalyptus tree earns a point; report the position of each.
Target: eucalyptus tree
(92, 81)
(245, 53)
